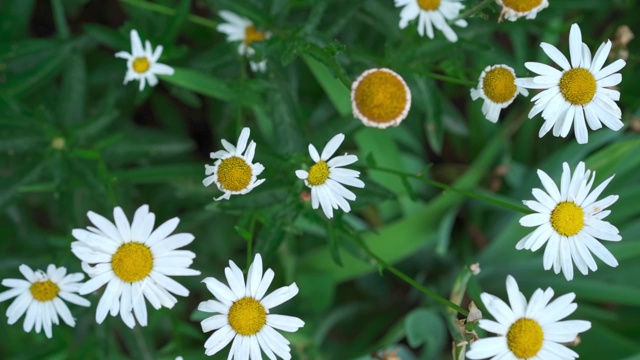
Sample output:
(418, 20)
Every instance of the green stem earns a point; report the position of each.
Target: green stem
(473, 10)
(447, 78)
(165, 10)
(142, 344)
(252, 227)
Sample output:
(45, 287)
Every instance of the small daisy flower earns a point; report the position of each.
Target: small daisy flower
(326, 178)
(243, 314)
(380, 98)
(579, 92)
(512, 10)
(570, 220)
(233, 172)
(241, 29)
(528, 330)
(431, 13)
(135, 263)
(143, 63)
(41, 295)
(497, 88)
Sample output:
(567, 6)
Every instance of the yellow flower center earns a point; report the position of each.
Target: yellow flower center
(381, 96)
(141, 65)
(567, 218)
(252, 34)
(132, 262)
(524, 338)
(521, 5)
(319, 173)
(578, 86)
(429, 5)
(234, 174)
(44, 290)
(498, 85)
(58, 143)
(247, 316)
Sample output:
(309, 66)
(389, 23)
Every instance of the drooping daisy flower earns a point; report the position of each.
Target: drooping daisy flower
(233, 172)
(243, 314)
(577, 93)
(41, 295)
(528, 330)
(326, 178)
(431, 13)
(241, 29)
(380, 98)
(134, 261)
(142, 63)
(570, 220)
(512, 10)
(497, 88)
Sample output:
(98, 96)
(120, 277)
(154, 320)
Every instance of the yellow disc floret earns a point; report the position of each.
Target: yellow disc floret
(522, 5)
(381, 96)
(567, 218)
(132, 262)
(524, 338)
(247, 316)
(234, 174)
(252, 34)
(141, 65)
(578, 86)
(429, 5)
(319, 173)
(498, 85)
(44, 290)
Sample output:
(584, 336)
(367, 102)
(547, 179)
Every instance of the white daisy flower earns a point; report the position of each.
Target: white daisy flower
(243, 314)
(326, 178)
(528, 330)
(497, 88)
(242, 29)
(579, 92)
(41, 295)
(431, 13)
(233, 171)
(512, 10)
(143, 63)
(571, 220)
(380, 98)
(134, 261)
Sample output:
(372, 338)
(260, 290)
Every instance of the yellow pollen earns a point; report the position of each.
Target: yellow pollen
(381, 96)
(521, 5)
(141, 65)
(234, 174)
(567, 218)
(319, 173)
(132, 262)
(44, 290)
(247, 316)
(429, 5)
(498, 85)
(578, 86)
(524, 338)
(252, 34)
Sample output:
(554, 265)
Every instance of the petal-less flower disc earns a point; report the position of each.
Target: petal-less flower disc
(528, 330)
(497, 88)
(142, 63)
(41, 295)
(243, 314)
(134, 261)
(512, 10)
(243, 30)
(327, 177)
(570, 221)
(233, 171)
(579, 92)
(380, 98)
(431, 13)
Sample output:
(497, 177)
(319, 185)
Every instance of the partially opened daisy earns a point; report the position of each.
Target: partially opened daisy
(512, 10)
(234, 171)
(570, 221)
(241, 29)
(142, 63)
(327, 178)
(380, 98)
(135, 263)
(41, 295)
(431, 13)
(528, 330)
(497, 88)
(578, 94)
(243, 314)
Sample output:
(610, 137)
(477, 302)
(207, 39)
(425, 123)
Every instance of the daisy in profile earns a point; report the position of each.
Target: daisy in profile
(431, 13)
(234, 171)
(241, 29)
(41, 295)
(578, 94)
(242, 314)
(327, 178)
(512, 10)
(135, 263)
(142, 63)
(497, 88)
(570, 221)
(528, 330)
(380, 98)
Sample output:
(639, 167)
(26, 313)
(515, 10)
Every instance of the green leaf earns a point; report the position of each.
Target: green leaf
(337, 92)
(72, 92)
(60, 19)
(201, 83)
(177, 22)
(425, 327)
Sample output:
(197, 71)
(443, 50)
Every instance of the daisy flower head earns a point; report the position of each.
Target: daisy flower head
(234, 171)
(512, 10)
(41, 295)
(327, 178)
(380, 98)
(496, 86)
(242, 314)
(243, 30)
(570, 221)
(431, 13)
(142, 63)
(528, 330)
(579, 92)
(135, 263)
